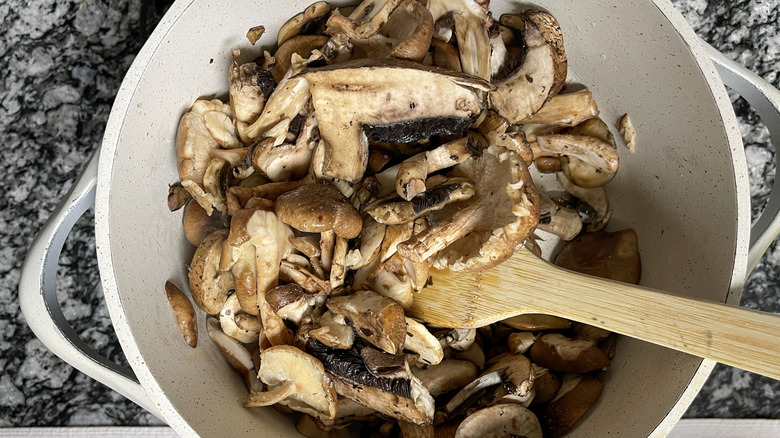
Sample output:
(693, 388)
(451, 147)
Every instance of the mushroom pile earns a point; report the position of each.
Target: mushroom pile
(375, 143)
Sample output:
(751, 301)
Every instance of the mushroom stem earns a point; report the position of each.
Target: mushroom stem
(411, 174)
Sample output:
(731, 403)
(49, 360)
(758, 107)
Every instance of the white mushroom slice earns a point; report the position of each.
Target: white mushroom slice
(290, 302)
(338, 268)
(371, 15)
(563, 221)
(487, 229)
(294, 25)
(502, 420)
(229, 325)
(312, 391)
(565, 109)
(596, 198)
(334, 331)
(498, 53)
(471, 31)
(377, 319)
(239, 358)
(587, 161)
(412, 173)
(284, 161)
(311, 283)
(419, 340)
(249, 84)
(209, 284)
(446, 376)
(287, 101)
(373, 98)
(459, 339)
(542, 73)
(395, 211)
(627, 131)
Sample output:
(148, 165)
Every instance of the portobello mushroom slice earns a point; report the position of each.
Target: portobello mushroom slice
(405, 399)
(383, 100)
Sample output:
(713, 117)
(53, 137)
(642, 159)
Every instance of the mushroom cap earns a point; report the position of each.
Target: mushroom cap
(559, 353)
(377, 319)
(209, 286)
(498, 421)
(317, 208)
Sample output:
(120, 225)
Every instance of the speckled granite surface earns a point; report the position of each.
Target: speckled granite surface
(62, 62)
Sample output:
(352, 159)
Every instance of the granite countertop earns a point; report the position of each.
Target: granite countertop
(62, 63)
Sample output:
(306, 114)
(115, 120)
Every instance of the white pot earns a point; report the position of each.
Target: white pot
(685, 192)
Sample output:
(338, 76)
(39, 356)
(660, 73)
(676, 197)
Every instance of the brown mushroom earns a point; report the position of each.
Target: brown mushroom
(611, 255)
(198, 225)
(446, 376)
(420, 340)
(566, 109)
(318, 208)
(377, 319)
(576, 395)
(236, 354)
(334, 331)
(208, 284)
(557, 352)
(299, 23)
(501, 420)
(186, 319)
(513, 371)
(303, 45)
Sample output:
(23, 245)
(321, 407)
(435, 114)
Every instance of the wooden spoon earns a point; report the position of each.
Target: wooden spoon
(744, 338)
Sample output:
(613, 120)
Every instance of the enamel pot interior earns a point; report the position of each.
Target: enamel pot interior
(679, 191)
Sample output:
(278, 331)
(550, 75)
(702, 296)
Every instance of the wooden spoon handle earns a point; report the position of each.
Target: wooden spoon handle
(744, 338)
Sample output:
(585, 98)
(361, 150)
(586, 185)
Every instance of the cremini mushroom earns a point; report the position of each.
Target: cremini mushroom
(420, 340)
(565, 109)
(396, 211)
(513, 371)
(334, 331)
(445, 55)
(576, 395)
(302, 45)
(459, 339)
(501, 420)
(485, 230)
(446, 376)
(561, 220)
(470, 22)
(208, 284)
(177, 197)
(546, 385)
(371, 15)
(377, 99)
(496, 131)
(587, 161)
(318, 208)
(182, 307)
(598, 211)
(557, 352)
(377, 319)
(521, 342)
(371, 236)
(542, 73)
(290, 302)
(612, 255)
(295, 379)
(536, 322)
(249, 85)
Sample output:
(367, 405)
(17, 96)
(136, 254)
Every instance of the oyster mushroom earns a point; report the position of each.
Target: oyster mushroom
(377, 319)
(297, 380)
(185, 313)
(502, 420)
(300, 23)
(559, 353)
(378, 99)
(400, 398)
(318, 208)
(542, 73)
(487, 229)
(208, 284)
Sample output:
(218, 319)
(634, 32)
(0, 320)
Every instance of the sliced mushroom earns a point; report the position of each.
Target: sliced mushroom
(563, 221)
(559, 353)
(513, 371)
(403, 399)
(228, 322)
(489, 227)
(249, 86)
(612, 255)
(473, 354)
(567, 109)
(521, 342)
(445, 55)
(351, 101)
(302, 45)
(534, 322)
(208, 284)
(496, 131)
(502, 420)
(395, 211)
(311, 283)
(627, 131)
(577, 394)
(588, 332)
(371, 237)
(377, 319)
(300, 23)
(470, 22)
(413, 172)
(287, 161)
(295, 379)
(198, 225)
(334, 331)
(459, 339)
(419, 340)
(318, 208)
(371, 15)
(286, 101)
(587, 161)
(254, 33)
(222, 129)
(186, 319)
(386, 365)
(446, 376)
(595, 198)
(290, 302)
(542, 73)
(546, 385)
(338, 268)
(236, 354)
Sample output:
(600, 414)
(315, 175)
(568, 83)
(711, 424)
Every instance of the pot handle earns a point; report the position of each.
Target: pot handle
(765, 100)
(41, 308)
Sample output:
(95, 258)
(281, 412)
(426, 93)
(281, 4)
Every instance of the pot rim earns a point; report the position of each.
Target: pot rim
(121, 107)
